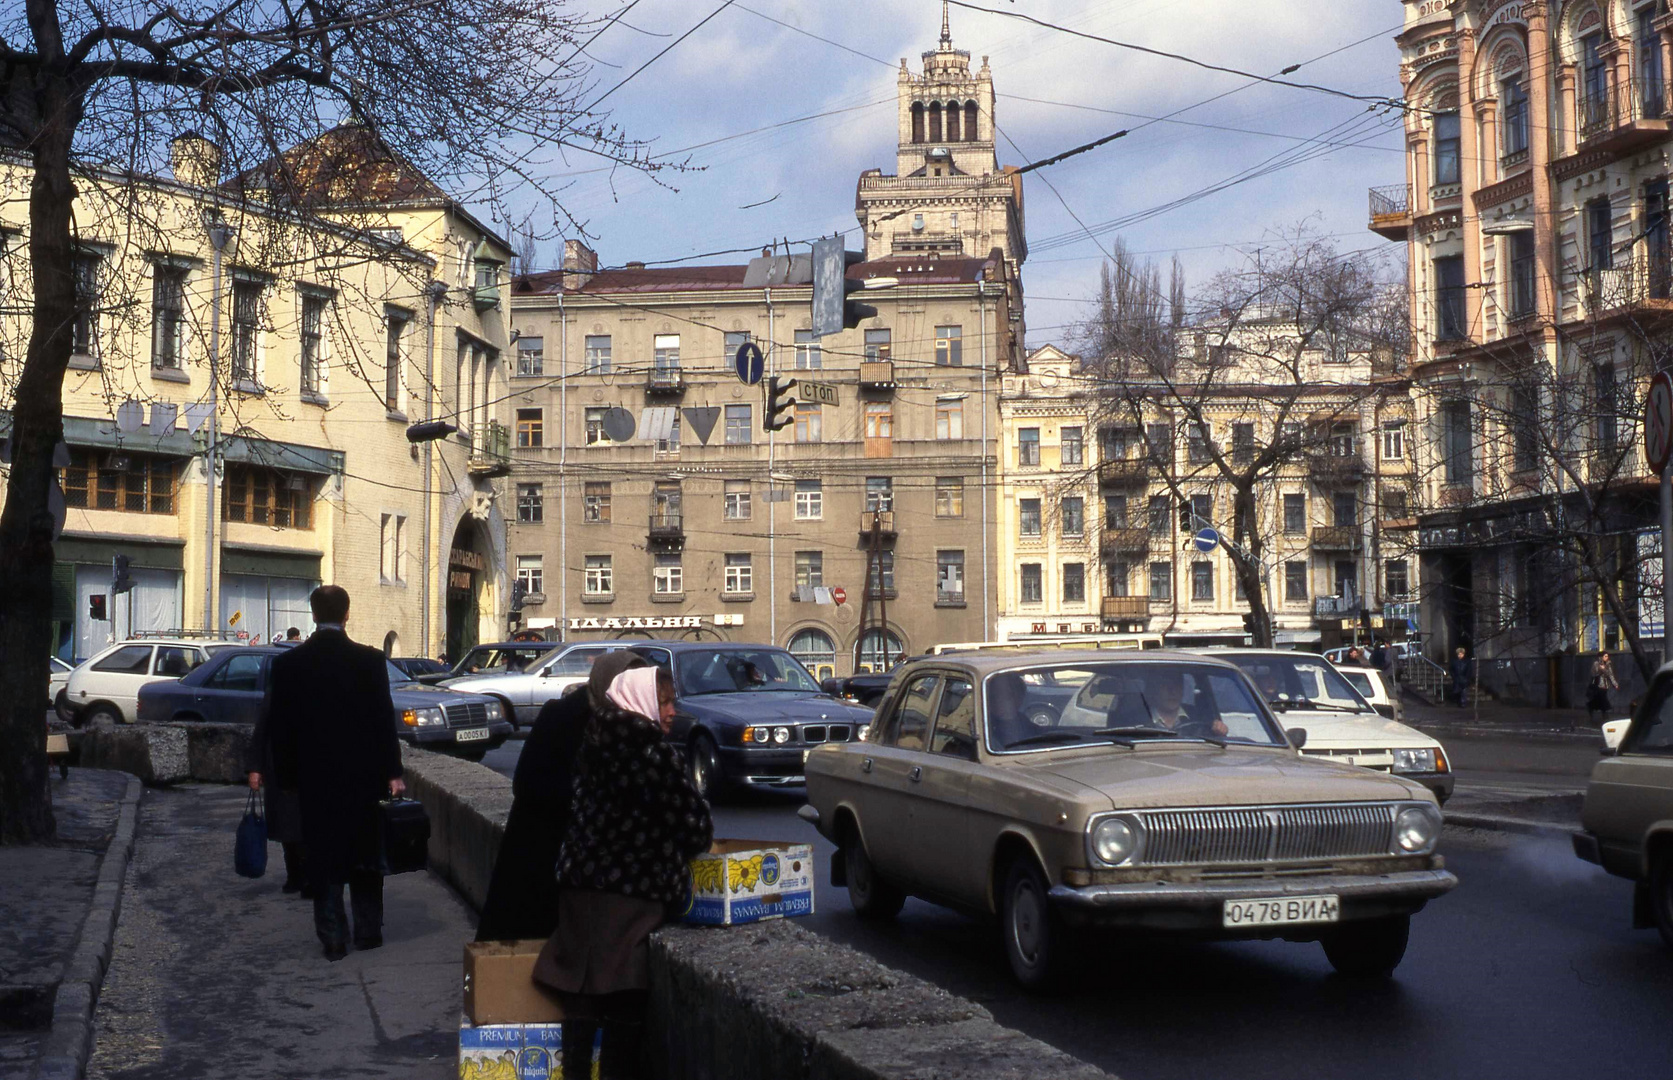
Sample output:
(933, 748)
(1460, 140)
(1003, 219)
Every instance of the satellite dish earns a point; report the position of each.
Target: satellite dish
(619, 424)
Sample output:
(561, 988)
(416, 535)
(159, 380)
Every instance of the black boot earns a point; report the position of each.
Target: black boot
(578, 1039)
(621, 1056)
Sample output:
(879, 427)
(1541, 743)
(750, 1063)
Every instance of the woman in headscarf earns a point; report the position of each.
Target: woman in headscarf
(523, 895)
(636, 823)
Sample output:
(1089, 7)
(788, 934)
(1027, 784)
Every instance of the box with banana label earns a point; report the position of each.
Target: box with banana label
(746, 881)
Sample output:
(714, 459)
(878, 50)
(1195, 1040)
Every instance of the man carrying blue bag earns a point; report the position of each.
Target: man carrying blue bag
(332, 727)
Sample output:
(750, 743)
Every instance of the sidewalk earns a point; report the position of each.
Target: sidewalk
(215, 975)
(1492, 718)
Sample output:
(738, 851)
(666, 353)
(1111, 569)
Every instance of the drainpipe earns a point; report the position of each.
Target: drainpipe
(219, 234)
(563, 470)
(988, 631)
(772, 504)
(436, 291)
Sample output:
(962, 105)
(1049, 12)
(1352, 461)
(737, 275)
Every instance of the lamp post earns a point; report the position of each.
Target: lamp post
(220, 233)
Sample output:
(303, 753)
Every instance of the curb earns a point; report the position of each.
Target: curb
(1501, 823)
(1487, 731)
(65, 1049)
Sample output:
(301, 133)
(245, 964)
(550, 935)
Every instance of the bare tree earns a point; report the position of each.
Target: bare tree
(481, 96)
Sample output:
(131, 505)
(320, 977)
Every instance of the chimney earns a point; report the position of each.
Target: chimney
(194, 160)
(580, 263)
(635, 265)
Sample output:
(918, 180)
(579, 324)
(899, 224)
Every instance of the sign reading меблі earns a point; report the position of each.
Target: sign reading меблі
(638, 622)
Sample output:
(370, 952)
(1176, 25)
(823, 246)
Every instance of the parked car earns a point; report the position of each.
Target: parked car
(495, 659)
(1627, 819)
(1107, 819)
(229, 689)
(58, 677)
(1402, 649)
(416, 666)
(1341, 724)
(105, 689)
(550, 675)
(1373, 687)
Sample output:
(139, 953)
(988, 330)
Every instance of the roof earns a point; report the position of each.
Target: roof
(347, 165)
(986, 663)
(637, 278)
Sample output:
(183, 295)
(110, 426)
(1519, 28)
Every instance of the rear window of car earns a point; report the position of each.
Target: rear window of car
(1361, 682)
(128, 660)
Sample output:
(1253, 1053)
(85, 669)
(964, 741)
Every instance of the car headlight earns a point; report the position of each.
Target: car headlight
(1416, 829)
(1415, 760)
(494, 711)
(428, 716)
(1113, 841)
(781, 735)
(865, 732)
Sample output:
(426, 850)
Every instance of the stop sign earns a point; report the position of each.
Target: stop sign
(839, 594)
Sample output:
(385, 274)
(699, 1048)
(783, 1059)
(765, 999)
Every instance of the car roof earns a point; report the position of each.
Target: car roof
(510, 645)
(985, 663)
(199, 642)
(700, 646)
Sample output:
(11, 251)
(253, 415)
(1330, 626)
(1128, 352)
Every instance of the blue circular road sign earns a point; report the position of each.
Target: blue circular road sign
(1207, 540)
(751, 365)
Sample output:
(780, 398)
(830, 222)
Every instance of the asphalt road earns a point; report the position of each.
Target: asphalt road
(1528, 969)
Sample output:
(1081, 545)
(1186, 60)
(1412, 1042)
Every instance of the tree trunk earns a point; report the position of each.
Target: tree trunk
(1246, 537)
(26, 524)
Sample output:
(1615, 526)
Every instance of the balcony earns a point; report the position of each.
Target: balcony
(1336, 538)
(1118, 542)
(491, 450)
(667, 529)
(877, 374)
(1623, 118)
(882, 520)
(941, 243)
(1126, 607)
(665, 379)
(1391, 211)
(1336, 607)
(1639, 282)
(1123, 472)
(1336, 470)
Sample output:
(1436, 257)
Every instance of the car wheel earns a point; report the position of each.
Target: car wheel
(61, 706)
(703, 766)
(1661, 893)
(872, 897)
(101, 716)
(1035, 944)
(1371, 949)
(1041, 716)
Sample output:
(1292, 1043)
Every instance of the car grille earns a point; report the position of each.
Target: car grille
(470, 714)
(822, 733)
(1265, 834)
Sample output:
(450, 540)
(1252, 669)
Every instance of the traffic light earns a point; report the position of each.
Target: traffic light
(832, 310)
(781, 403)
(96, 607)
(519, 592)
(120, 580)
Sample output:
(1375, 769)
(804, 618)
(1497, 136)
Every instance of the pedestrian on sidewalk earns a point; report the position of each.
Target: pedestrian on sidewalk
(636, 823)
(333, 734)
(1379, 655)
(1460, 670)
(1598, 690)
(523, 893)
(283, 807)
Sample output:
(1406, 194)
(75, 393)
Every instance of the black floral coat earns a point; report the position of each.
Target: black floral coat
(636, 820)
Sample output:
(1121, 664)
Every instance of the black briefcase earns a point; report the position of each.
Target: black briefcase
(406, 836)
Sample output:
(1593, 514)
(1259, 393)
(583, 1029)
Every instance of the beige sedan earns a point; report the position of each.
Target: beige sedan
(1070, 791)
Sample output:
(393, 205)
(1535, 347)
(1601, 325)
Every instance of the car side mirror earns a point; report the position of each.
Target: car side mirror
(1297, 736)
(1613, 732)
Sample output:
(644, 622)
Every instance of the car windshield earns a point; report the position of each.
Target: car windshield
(731, 671)
(1061, 705)
(396, 675)
(1300, 681)
(499, 659)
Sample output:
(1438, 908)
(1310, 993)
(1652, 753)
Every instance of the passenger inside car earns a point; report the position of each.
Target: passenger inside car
(1006, 694)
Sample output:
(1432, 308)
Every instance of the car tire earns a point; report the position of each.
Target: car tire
(1661, 893)
(1371, 949)
(702, 762)
(1036, 945)
(61, 706)
(872, 897)
(100, 715)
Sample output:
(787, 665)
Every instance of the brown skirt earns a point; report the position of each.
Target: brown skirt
(602, 944)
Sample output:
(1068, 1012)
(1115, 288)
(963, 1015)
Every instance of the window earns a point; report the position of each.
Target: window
(880, 494)
(955, 724)
(1447, 142)
(1344, 509)
(665, 356)
(1161, 580)
(599, 578)
(1524, 428)
(808, 355)
(668, 576)
(735, 500)
(84, 332)
(878, 344)
(1243, 444)
(128, 660)
(1449, 298)
(740, 577)
(1394, 505)
(1521, 274)
(1202, 512)
(810, 500)
(246, 329)
(1457, 449)
(735, 340)
(1033, 586)
(1603, 396)
(671, 445)
(1196, 444)
(810, 569)
(596, 359)
(1074, 516)
(1116, 575)
(313, 343)
(531, 426)
(1202, 581)
(530, 574)
(1113, 443)
(1594, 86)
(1028, 447)
(595, 502)
(1156, 514)
(809, 423)
(949, 346)
(1295, 580)
(125, 481)
(880, 420)
(1115, 511)
(1396, 579)
(883, 573)
(879, 651)
(1159, 439)
(168, 316)
(595, 427)
(738, 425)
(949, 496)
(949, 577)
(666, 501)
(1649, 63)
(816, 652)
(395, 325)
(1600, 228)
(531, 355)
(1394, 441)
(1071, 445)
(267, 497)
(949, 419)
(1295, 514)
(1346, 575)
(241, 673)
(531, 508)
(1028, 516)
(1074, 583)
(1513, 99)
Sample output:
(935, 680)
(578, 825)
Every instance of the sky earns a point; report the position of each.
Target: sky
(742, 71)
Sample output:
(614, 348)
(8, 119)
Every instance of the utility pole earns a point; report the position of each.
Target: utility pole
(435, 292)
(220, 233)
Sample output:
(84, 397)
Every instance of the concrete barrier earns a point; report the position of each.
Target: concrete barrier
(769, 1001)
(169, 753)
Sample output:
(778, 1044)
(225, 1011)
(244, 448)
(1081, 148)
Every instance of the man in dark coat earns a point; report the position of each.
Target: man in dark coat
(1460, 671)
(522, 898)
(333, 734)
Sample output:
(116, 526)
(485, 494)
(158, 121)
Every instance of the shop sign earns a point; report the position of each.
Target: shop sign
(1063, 628)
(470, 560)
(638, 622)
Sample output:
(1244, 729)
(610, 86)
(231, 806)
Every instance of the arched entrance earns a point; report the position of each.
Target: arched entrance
(468, 582)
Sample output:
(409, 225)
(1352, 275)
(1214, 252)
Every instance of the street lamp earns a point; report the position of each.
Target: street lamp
(220, 234)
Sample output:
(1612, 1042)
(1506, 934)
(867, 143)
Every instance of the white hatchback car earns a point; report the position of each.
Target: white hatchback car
(1373, 687)
(105, 690)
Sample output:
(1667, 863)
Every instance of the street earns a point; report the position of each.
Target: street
(1529, 968)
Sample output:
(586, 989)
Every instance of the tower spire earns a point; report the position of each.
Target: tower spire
(946, 30)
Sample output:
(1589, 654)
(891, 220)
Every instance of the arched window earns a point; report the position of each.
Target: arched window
(391, 643)
(970, 121)
(816, 651)
(917, 121)
(952, 122)
(879, 651)
(935, 121)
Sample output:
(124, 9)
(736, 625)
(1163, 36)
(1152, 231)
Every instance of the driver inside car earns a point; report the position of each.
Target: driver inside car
(1164, 691)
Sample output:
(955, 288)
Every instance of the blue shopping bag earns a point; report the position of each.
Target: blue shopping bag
(249, 852)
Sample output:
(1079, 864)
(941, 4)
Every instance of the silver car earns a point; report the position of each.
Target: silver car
(525, 693)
